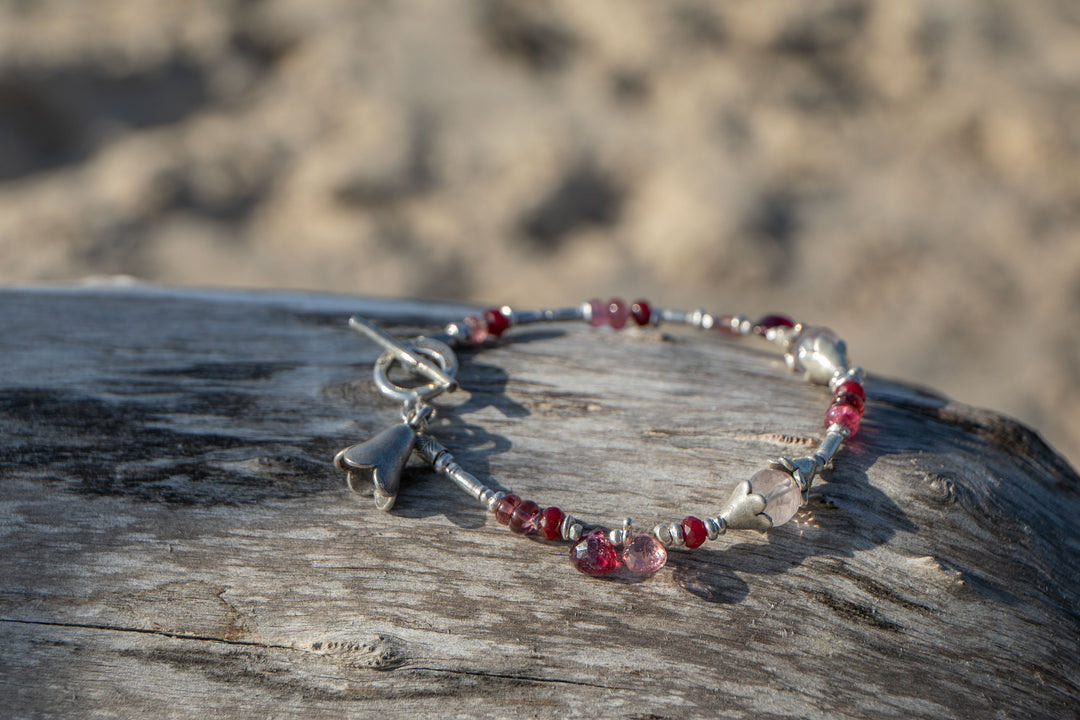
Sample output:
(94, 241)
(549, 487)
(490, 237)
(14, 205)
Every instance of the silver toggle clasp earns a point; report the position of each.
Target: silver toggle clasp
(414, 355)
(376, 464)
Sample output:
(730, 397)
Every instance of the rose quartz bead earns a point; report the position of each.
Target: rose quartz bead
(781, 493)
(551, 520)
(694, 532)
(844, 415)
(478, 331)
(523, 519)
(617, 313)
(497, 323)
(851, 386)
(644, 554)
(598, 312)
(641, 311)
(505, 508)
(594, 555)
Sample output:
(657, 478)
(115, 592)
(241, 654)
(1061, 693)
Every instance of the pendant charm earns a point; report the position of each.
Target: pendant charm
(377, 463)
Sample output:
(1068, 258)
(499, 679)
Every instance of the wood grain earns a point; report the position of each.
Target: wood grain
(176, 542)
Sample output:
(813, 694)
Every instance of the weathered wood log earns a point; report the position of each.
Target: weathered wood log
(176, 542)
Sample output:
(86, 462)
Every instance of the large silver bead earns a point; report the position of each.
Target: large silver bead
(819, 354)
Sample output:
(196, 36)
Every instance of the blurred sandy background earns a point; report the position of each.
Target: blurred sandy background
(907, 172)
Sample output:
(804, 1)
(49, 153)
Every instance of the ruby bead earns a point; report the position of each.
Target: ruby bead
(772, 321)
(523, 519)
(641, 312)
(851, 386)
(845, 416)
(597, 312)
(694, 532)
(478, 329)
(551, 520)
(851, 399)
(595, 555)
(505, 508)
(617, 313)
(497, 323)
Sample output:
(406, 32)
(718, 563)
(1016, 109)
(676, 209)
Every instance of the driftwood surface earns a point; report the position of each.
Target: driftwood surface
(176, 542)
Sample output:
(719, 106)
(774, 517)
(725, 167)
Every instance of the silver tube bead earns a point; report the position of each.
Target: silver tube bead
(675, 316)
(834, 438)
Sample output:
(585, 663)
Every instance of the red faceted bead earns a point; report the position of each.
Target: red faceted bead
(641, 312)
(844, 415)
(851, 399)
(772, 321)
(551, 520)
(597, 312)
(505, 508)
(523, 519)
(851, 386)
(497, 323)
(694, 532)
(617, 313)
(595, 555)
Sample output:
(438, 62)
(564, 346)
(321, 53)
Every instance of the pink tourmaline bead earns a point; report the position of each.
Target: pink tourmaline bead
(523, 519)
(598, 312)
(594, 555)
(724, 325)
(781, 493)
(845, 415)
(478, 331)
(505, 508)
(644, 554)
(617, 313)
(551, 520)
(641, 311)
(694, 532)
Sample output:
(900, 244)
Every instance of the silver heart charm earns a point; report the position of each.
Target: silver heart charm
(377, 463)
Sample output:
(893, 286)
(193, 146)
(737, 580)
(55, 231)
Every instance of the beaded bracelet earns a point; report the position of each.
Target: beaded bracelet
(770, 498)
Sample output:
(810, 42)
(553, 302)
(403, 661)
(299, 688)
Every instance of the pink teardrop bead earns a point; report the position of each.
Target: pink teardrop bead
(478, 331)
(782, 495)
(594, 555)
(643, 554)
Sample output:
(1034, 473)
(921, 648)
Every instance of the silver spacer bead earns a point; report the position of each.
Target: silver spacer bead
(568, 522)
(675, 531)
(856, 374)
(486, 497)
(715, 527)
(575, 532)
(493, 501)
(662, 533)
(586, 311)
(458, 333)
(620, 536)
(701, 319)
